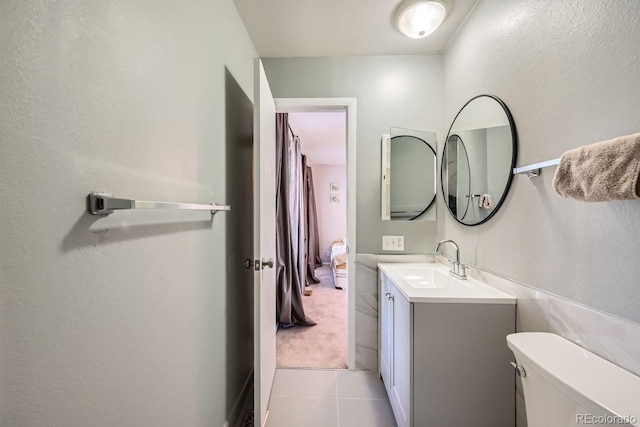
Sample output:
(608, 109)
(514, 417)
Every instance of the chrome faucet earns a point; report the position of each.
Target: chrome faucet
(458, 270)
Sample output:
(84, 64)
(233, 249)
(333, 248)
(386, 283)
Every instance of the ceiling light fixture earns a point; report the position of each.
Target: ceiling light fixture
(418, 19)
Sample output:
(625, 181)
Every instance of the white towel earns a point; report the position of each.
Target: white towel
(485, 201)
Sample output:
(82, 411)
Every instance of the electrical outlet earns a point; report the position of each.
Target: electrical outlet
(393, 243)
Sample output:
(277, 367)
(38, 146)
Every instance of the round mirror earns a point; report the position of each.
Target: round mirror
(412, 177)
(478, 160)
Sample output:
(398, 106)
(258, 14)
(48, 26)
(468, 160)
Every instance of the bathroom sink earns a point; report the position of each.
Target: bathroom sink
(431, 282)
(426, 276)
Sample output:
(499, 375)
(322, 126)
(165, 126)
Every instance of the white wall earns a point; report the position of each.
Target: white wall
(118, 320)
(402, 91)
(332, 217)
(568, 71)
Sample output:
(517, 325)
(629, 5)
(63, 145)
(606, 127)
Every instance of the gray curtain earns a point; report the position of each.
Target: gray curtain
(312, 241)
(296, 204)
(289, 308)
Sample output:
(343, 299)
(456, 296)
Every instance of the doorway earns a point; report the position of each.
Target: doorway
(317, 175)
(334, 163)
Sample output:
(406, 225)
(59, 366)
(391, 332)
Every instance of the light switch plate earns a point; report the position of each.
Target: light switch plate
(393, 243)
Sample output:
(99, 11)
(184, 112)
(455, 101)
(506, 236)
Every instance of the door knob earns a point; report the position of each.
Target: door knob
(248, 263)
(267, 263)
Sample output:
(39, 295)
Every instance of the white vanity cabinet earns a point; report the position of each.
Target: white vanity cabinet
(444, 360)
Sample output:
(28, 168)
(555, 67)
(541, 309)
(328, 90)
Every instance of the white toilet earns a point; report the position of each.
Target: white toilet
(566, 385)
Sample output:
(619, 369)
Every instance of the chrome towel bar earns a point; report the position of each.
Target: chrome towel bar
(534, 169)
(105, 204)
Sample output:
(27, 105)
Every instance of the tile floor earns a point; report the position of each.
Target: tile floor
(328, 398)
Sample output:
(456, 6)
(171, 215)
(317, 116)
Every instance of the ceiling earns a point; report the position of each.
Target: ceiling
(323, 136)
(298, 28)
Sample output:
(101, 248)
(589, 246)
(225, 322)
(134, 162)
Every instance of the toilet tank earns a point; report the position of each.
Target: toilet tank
(566, 385)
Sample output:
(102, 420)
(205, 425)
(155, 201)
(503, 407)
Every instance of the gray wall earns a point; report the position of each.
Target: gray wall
(118, 320)
(403, 91)
(499, 157)
(568, 71)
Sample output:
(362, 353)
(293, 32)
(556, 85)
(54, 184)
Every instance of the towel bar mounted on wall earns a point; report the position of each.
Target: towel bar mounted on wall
(105, 204)
(534, 169)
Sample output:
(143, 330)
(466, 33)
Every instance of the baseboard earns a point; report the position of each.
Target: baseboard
(237, 412)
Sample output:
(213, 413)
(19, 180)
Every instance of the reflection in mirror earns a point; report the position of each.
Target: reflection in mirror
(458, 176)
(409, 175)
(478, 160)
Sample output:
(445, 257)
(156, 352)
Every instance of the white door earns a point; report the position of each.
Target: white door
(264, 222)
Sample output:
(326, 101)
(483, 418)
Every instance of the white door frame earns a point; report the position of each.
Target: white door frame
(290, 105)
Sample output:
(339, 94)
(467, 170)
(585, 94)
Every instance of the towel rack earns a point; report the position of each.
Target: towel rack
(105, 204)
(534, 169)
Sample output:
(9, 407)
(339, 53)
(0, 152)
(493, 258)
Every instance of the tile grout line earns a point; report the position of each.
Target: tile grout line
(287, 396)
(364, 398)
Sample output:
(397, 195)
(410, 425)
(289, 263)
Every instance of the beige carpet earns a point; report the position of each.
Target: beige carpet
(323, 345)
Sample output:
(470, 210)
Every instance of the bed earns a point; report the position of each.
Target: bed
(339, 263)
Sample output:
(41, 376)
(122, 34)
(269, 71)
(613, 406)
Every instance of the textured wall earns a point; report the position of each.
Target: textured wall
(568, 71)
(403, 91)
(119, 320)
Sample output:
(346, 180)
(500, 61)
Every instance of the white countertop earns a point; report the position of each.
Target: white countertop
(432, 283)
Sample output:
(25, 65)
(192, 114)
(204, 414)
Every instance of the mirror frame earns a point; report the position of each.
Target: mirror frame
(435, 156)
(514, 155)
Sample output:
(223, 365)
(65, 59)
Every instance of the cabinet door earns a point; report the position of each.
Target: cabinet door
(386, 331)
(401, 365)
